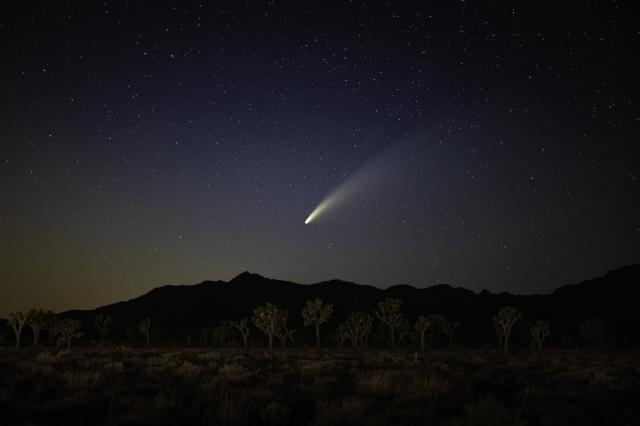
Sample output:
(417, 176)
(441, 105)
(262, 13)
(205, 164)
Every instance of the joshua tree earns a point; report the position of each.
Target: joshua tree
(389, 313)
(37, 320)
(243, 327)
(67, 329)
(103, 325)
(316, 313)
(539, 332)
(268, 318)
(282, 332)
(449, 329)
(504, 322)
(356, 328)
(145, 328)
(17, 321)
(421, 326)
(592, 332)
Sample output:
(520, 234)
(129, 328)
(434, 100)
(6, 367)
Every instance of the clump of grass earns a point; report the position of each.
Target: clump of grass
(377, 383)
(234, 373)
(79, 379)
(188, 370)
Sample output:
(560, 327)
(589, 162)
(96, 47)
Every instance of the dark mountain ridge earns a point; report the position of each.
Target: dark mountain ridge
(177, 310)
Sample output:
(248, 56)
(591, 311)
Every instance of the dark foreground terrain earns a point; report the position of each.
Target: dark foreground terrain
(170, 386)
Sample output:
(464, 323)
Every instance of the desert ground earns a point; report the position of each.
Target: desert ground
(120, 385)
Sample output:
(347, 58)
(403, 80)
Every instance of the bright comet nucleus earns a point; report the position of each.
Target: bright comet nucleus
(321, 207)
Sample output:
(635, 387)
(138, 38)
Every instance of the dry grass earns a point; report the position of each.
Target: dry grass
(156, 386)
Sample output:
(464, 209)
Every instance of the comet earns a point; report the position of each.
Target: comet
(369, 178)
(354, 185)
(330, 201)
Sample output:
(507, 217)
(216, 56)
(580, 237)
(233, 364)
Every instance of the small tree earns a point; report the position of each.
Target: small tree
(449, 329)
(282, 331)
(243, 327)
(356, 328)
(389, 313)
(268, 318)
(37, 320)
(316, 313)
(103, 324)
(421, 326)
(504, 322)
(17, 321)
(145, 328)
(67, 329)
(539, 332)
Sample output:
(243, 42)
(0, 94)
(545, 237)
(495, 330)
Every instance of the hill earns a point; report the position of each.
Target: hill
(178, 310)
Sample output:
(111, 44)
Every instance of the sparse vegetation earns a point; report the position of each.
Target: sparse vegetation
(421, 326)
(268, 318)
(389, 313)
(316, 313)
(356, 329)
(449, 329)
(243, 327)
(66, 330)
(37, 320)
(539, 333)
(504, 323)
(144, 327)
(176, 386)
(295, 386)
(17, 321)
(103, 324)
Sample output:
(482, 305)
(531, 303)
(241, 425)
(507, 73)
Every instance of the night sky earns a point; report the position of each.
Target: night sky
(144, 144)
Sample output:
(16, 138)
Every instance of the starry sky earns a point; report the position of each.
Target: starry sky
(148, 143)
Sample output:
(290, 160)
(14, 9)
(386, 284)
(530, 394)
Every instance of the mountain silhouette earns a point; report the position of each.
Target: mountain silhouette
(178, 310)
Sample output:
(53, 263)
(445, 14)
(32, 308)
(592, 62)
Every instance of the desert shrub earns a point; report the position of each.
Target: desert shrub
(188, 370)
(82, 379)
(234, 373)
(377, 383)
